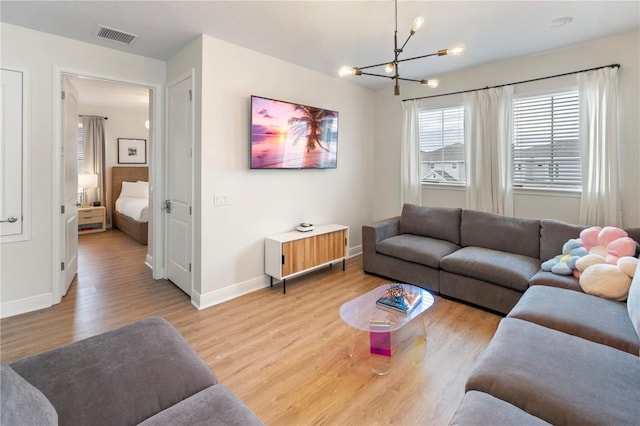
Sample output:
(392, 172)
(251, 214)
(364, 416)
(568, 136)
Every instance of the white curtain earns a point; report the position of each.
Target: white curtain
(598, 91)
(488, 132)
(410, 191)
(94, 155)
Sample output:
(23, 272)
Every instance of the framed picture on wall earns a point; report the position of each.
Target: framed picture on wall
(132, 151)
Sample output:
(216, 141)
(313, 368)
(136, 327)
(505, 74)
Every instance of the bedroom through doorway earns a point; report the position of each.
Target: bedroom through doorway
(113, 137)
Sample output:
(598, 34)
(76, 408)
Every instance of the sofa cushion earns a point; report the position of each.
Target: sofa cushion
(593, 318)
(553, 235)
(550, 279)
(559, 378)
(502, 233)
(120, 377)
(633, 301)
(215, 405)
(413, 248)
(497, 267)
(21, 403)
(479, 408)
(436, 222)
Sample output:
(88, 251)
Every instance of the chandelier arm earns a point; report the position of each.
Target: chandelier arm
(409, 79)
(405, 43)
(373, 66)
(418, 57)
(399, 60)
(378, 75)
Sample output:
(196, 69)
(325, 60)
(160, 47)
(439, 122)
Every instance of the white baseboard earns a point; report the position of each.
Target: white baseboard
(202, 301)
(22, 306)
(149, 261)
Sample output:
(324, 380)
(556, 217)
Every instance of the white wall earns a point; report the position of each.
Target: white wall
(263, 202)
(28, 267)
(623, 49)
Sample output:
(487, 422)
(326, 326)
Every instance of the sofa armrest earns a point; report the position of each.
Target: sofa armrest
(120, 377)
(375, 232)
(372, 234)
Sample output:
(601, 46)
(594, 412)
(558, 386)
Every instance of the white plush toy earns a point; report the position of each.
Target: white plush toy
(609, 281)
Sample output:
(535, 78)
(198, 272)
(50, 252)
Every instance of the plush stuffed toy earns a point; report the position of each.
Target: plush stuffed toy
(610, 265)
(565, 263)
(609, 281)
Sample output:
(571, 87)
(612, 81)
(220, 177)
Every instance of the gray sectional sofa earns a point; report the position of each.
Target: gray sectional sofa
(144, 373)
(480, 258)
(559, 357)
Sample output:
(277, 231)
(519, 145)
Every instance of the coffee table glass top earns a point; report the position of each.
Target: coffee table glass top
(361, 311)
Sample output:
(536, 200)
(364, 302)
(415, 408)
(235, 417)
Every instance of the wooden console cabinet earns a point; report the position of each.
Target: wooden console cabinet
(293, 253)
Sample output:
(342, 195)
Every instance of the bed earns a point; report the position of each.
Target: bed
(137, 227)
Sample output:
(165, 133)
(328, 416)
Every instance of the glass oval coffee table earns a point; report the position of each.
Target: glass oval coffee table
(363, 314)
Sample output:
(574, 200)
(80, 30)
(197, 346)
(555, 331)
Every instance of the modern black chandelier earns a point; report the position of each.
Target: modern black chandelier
(391, 68)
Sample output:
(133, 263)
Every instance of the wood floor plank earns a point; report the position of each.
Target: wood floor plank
(285, 355)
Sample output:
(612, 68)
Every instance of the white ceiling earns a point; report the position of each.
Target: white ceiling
(324, 35)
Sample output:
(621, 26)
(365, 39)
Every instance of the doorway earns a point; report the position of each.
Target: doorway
(128, 111)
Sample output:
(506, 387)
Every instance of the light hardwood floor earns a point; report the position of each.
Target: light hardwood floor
(284, 355)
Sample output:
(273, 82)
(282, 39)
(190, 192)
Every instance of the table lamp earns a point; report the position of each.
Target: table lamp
(87, 181)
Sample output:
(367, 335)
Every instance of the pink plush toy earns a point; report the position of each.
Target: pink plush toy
(609, 242)
(608, 268)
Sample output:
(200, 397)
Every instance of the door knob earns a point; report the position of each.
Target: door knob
(10, 219)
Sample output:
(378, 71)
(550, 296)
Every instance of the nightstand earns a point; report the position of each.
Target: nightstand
(92, 219)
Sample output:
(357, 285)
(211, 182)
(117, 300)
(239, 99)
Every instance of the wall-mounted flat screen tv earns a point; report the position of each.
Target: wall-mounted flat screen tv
(286, 135)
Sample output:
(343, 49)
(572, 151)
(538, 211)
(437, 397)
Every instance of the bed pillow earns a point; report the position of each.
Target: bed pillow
(138, 189)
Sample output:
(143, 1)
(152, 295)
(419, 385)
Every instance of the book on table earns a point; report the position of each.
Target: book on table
(404, 304)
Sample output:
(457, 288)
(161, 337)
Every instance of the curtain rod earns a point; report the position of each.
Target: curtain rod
(517, 82)
(80, 115)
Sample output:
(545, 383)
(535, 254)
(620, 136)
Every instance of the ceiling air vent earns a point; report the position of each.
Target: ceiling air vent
(115, 35)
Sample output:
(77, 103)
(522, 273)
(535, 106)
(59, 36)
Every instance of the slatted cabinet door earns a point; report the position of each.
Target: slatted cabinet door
(298, 256)
(330, 246)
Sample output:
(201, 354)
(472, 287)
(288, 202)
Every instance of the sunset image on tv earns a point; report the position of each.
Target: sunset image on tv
(292, 136)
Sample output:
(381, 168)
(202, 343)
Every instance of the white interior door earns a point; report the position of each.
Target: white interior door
(179, 184)
(11, 162)
(69, 158)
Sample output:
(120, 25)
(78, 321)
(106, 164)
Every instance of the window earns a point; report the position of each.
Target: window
(442, 145)
(80, 146)
(546, 148)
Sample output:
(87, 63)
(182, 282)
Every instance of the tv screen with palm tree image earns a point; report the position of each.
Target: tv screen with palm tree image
(286, 135)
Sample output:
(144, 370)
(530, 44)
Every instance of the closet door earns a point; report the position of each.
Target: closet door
(11, 154)
(179, 184)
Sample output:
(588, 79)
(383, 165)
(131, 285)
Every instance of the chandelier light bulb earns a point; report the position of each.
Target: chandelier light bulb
(417, 23)
(347, 70)
(457, 50)
(389, 68)
(431, 83)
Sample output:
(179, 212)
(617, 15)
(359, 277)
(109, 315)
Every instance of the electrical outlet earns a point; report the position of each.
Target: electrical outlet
(221, 199)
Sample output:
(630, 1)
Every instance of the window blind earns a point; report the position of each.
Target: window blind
(80, 146)
(546, 146)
